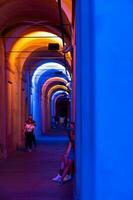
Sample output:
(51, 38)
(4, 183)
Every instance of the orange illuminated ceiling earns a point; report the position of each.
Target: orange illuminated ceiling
(25, 45)
(44, 12)
(28, 20)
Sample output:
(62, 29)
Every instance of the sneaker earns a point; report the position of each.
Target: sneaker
(60, 181)
(57, 178)
(67, 178)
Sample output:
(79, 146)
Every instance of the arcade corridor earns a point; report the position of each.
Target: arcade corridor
(36, 61)
(64, 61)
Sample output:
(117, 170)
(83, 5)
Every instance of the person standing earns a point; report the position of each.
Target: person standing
(29, 133)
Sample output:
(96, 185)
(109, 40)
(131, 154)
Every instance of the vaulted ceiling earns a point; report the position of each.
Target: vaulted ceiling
(22, 17)
(43, 13)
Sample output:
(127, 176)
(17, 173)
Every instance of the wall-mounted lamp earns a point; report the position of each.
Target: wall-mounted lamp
(53, 46)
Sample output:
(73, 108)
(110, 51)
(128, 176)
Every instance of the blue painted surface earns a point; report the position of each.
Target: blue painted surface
(114, 99)
(84, 101)
(108, 36)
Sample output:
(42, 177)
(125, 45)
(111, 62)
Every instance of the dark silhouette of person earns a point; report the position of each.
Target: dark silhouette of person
(29, 131)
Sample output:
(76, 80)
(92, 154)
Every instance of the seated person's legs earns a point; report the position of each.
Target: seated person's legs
(63, 166)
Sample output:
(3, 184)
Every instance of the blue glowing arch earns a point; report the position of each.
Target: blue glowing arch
(53, 99)
(40, 75)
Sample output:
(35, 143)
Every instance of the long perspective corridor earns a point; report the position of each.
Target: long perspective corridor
(66, 100)
(36, 61)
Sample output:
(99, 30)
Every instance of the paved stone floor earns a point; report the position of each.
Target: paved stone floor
(27, 176)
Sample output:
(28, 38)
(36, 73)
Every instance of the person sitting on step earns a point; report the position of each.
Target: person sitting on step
(67, 163)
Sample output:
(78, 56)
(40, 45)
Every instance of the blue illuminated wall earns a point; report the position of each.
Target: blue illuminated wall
(105, 35)
(114, 99)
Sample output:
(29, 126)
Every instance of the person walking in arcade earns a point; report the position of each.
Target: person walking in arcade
(29, 133)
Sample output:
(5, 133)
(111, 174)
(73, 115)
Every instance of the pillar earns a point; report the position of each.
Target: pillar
(84, 101)
(114, 99)
(3, 146)
(104, 105)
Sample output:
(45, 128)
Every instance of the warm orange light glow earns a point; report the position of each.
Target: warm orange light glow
(46, 101)
(29, 43)
(36, 38)
(67, 7)
(57, 87)
(54, 88)
(50, 80)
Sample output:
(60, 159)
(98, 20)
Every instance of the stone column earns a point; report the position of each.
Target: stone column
(84, 101)
(104, 100)
(3, 101)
